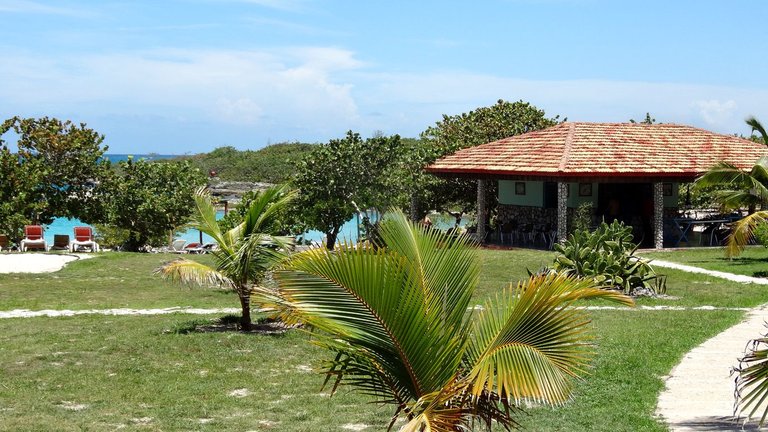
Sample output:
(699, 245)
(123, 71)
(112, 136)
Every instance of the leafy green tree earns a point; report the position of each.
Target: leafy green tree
(337, 178)
(272, 164)
(244, 254)
(396, 320)
(452, 133)
(19, 202)
(52, 173)
(648, 119)
(149, 199)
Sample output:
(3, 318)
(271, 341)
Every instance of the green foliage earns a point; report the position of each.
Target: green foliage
(582, 218)
(285, 222)
(607, 257)
(344, 175)
(759, 128)
(761, 233)
(149, 200)
(111, 237)
(736, 188)
(51, 175)
(395, 318)
(648, 119)
(272, 164)
(452, 133)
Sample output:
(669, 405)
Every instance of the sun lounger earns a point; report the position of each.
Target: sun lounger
(60, 242)
(84, 239)
(33, 238)
(177, 246)
(5, 244)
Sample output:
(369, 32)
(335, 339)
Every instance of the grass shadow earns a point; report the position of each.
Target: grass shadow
(229, 323)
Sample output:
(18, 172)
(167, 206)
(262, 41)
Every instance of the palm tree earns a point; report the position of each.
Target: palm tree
(398, 320)
(244, 253)
(742, 189)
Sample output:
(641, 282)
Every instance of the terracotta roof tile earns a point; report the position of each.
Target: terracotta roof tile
(604, 149)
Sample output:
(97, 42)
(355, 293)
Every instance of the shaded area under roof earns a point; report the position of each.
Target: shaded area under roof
(599, 151)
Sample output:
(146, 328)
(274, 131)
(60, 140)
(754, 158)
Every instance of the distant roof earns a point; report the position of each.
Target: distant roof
(583, 150)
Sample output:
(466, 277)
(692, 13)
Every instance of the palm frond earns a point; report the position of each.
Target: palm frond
(757, 126)
(205, 218)
(742, 232)
(265, 206)
(530, 344)
(752, 379)
(193, 273)
(723, 173)
(447, 267)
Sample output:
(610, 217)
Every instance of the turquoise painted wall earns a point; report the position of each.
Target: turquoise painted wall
(574, 200)
(534, 193)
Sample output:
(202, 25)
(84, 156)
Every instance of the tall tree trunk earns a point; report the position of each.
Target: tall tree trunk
(245, 304)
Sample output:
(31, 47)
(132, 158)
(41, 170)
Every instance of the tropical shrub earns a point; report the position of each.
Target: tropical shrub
(396, 320)
(607, 257)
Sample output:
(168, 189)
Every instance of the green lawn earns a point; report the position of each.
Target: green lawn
(754, 259)
(149, 373)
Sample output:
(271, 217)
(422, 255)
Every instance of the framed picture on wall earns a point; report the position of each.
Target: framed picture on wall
(585, 189)
(667, 188)
(519, 188)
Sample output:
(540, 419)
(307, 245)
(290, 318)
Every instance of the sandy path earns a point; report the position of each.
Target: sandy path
(36, 262)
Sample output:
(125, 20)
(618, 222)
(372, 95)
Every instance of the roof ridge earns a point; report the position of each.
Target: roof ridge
(568, 145)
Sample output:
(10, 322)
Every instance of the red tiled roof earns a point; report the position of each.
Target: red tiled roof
(603, 150)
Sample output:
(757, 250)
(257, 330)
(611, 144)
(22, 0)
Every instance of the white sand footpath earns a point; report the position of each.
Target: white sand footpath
(699, 393)
(36, 262)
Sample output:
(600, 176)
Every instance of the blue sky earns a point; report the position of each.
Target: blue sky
(187, 76)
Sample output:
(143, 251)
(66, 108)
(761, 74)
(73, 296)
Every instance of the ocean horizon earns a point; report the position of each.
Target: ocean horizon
(118, 157)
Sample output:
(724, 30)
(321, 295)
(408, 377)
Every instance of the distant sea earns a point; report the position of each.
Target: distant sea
(115, 158)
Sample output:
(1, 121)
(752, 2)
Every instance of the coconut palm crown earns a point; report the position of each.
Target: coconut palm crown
(244, 253)
(400, 323)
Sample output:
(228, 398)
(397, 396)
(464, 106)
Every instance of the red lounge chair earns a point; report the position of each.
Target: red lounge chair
(33, 238)
(84, 239)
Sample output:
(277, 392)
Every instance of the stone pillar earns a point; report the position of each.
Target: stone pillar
(658, 215)
(562, 211)
(481, 210)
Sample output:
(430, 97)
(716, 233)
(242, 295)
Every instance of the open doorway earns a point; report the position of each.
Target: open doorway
(630, 203)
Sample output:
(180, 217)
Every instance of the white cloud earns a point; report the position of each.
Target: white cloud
(241, 111)
(246, 87)
(317, 93)
(715, 112)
